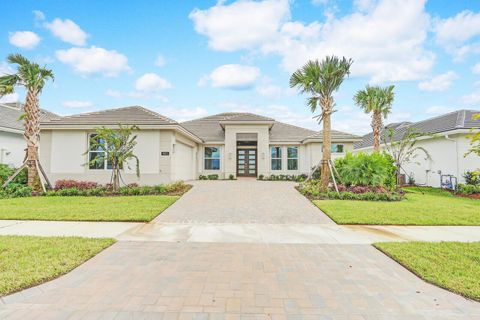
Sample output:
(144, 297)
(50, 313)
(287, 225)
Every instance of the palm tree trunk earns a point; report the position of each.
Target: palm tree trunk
(31, 135)
(116, 178)
(376, 126)
(326, 152)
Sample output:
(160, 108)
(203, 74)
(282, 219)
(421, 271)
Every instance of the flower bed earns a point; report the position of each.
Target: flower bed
(283, 177)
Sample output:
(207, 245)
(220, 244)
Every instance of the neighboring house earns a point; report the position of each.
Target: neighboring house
(238, 144)
(447, 144)
(12, 143)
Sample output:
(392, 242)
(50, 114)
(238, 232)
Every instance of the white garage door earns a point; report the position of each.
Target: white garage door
(183, 162)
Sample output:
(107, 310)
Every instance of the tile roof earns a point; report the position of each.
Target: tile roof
(336, 135)
(10, 114)
(461, 119)
(133, 115)
(209, 129)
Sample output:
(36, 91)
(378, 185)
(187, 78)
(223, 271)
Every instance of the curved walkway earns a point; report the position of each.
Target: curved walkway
(221, 279)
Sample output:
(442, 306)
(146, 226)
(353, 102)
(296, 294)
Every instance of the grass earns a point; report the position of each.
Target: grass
(29, 261)
(421, 206)
(453, 266)
(128, 208)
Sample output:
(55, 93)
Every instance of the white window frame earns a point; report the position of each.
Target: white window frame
(277, 158)
(337, 144)
(296, 158)
(212, 158)
(105, 164)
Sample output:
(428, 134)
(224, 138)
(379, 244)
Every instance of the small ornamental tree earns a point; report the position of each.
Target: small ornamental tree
(474, 139)
(403, 149)
(115, 146)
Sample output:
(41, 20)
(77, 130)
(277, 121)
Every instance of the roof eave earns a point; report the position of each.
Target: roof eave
(247, 122)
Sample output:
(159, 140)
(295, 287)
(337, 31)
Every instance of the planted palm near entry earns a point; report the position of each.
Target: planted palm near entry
(320, 79)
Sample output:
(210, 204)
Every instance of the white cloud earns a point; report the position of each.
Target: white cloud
(39, 15)
(242, 24)
(232, 76)
(94, 60)
(182, 114)
(439, 83)
(24, 39)
(476, 68)
(67, 31)
(5, 68)
(151, 82)
(8, 98)
(77, 104)
(438, 110)
(160, 61)
(114, 93)
(386, 41)
(453, 33)
(471, 99)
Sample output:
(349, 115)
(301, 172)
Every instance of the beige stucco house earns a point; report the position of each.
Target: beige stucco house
(238, 144)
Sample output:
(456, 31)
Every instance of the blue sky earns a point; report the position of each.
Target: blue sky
(187, 59)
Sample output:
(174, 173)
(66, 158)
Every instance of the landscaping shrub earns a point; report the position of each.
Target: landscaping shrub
(79, 185)
(472, 178)
(375, 169)
(283, 177)
(260, 177)
(468, 189)
(231, 177)
(7, 171)
(202, 177)
(15, 190)
(213, 177)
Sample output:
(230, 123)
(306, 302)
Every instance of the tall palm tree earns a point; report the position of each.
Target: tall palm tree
(377, 101)
(320, 79)
(32, 77)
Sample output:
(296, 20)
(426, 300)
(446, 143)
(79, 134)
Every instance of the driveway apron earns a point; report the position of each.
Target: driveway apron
(175, 279)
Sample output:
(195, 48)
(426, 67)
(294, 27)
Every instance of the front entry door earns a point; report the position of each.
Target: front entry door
(247, 162)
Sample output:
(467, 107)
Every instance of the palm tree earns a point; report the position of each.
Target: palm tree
(378, 101)
(320, 79)
(116, 148)
(32, 77)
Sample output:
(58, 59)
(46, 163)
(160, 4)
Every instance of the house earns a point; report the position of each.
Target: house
(12, 143)
(238, 144)
(447, 143)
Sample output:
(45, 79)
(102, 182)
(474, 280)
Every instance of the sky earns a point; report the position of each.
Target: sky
(190, 59)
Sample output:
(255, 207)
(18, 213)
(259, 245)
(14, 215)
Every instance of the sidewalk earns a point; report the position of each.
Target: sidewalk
(241, 233)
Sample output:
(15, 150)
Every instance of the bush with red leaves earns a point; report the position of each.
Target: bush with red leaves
(79, 185)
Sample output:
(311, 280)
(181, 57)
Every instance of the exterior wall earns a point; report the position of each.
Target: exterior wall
(184, 158)
(230, 151)
(63, 156)
(313, 153)
(12, 148)
(447, 157)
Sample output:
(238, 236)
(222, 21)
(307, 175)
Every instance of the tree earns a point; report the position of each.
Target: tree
(115, 147)
(320, 79)
(377, 101)
(403, 150)
(474, 139)
(32, 77)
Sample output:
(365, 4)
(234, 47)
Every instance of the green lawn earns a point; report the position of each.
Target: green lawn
(128, 208)
(451, 265)
(422, 206)
(29, 261)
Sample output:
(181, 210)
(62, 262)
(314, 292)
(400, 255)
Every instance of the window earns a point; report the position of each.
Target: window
(212, 158)
(276, 156)
(292, 158)
(337, 148)
(96, 151)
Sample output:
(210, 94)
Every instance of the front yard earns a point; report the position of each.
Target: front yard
(421, 206)
(454, 266)
(118, 208)
(29, 261)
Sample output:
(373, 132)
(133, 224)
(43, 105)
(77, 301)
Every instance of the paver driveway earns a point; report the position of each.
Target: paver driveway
(218, 280)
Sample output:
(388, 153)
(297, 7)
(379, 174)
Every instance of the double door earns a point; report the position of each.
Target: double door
(247, 162)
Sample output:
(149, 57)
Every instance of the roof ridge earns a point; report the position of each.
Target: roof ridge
(156, 114)
(97, 112)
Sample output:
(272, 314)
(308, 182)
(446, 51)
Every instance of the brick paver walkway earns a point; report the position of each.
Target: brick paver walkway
(219, 280)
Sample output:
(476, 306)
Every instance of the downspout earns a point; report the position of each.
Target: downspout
(456, 154)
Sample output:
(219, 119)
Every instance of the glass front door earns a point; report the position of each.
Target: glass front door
(247, 162)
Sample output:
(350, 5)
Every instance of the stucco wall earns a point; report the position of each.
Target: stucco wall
(62, 155)
(12, 148)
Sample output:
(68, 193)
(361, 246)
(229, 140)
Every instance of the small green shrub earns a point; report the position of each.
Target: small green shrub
(7, 171)
(261, 177)
(202, 177)
(468, 189)
(472, 178)
(231, 177)
(375, 169)
(213, 177)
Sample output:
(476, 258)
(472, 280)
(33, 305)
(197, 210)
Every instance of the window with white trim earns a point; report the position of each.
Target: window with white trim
(212, 158)
(276, 158)
(97, 151)
(292, 158)
(336, 148)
